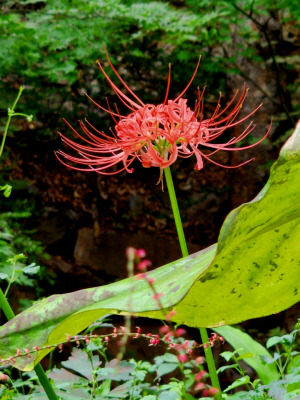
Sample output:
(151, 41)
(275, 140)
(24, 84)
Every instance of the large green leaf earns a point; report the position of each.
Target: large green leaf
(254, 271)
(48, 321)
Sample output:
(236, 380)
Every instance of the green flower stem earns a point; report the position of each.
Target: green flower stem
(184, 250)
(38, 368)
(10, 114)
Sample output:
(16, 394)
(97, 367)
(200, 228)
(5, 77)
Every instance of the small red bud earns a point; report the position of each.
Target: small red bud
(180, 332)
(170, 315)
(200, 386)
(143, 265)
(182, 358)
(4, 377)
(140, 253)
(199, 360)
(157, 296)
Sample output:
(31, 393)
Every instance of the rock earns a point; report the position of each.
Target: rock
(107, 254)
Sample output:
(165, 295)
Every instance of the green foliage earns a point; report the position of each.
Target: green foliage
(59, 42)
(283, 365)
(230, 277)
(249, 351)
(13, 241)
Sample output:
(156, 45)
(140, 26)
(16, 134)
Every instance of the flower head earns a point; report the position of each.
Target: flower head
(157, 135)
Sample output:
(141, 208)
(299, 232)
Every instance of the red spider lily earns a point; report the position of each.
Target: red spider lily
(157, 135)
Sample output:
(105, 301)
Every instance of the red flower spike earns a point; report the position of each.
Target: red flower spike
(18, 353)
(156, 135)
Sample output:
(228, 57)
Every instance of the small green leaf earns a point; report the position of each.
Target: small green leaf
(3, 276)
(31, 269)
(246, 355)
(166, 368)
(225, 367)
(239, 382)
(227, 355)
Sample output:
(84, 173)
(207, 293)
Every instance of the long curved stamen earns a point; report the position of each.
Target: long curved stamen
(191, 80)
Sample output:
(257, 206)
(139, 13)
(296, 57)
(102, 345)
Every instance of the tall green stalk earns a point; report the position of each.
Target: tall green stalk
(4, 305)
(184, 250)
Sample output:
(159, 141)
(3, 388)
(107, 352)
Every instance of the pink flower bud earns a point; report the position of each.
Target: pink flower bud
(164, 329)
(180, 332)
(200, 375)
(143, 265)
(4, 377)
(182, 358)
(157, 296)
(199, 360)
(170, 315)
(140, 253)
(200, 386)
(140, 276)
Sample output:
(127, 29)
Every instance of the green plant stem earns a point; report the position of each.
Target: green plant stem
(184, 250)
(38, 368)
(10, 114)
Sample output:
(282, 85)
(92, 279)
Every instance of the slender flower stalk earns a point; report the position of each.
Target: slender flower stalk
(184, 250)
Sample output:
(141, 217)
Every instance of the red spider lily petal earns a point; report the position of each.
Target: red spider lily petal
(157, 135)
